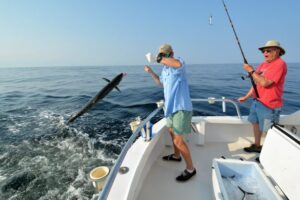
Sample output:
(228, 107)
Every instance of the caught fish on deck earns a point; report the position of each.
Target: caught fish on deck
(100, 95)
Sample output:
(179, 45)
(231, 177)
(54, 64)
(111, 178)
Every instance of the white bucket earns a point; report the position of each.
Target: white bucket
(98, 176)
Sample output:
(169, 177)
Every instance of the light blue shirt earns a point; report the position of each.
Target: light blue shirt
(176, 89)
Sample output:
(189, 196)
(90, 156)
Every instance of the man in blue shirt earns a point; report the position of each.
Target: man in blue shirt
(178, 106)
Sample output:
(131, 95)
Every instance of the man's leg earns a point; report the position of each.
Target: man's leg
(253, 119)
(176, 150)
(257, 138)
(257, 134)
(184, 150)
(190, 171)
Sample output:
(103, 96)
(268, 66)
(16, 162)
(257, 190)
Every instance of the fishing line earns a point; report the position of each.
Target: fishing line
(239, 44)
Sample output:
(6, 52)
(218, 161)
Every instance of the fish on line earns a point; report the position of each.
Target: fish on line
(100, 95)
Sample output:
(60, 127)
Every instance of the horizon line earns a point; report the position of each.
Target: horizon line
(127, 65)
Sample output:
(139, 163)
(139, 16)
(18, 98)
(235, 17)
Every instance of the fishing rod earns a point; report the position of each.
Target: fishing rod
(239, 44)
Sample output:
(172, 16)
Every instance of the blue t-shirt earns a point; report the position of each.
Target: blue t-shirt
(176, 89)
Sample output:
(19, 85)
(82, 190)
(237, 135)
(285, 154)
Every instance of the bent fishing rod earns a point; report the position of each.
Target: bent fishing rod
(238, 41)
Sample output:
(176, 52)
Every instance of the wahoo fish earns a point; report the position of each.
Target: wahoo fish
(100, 95)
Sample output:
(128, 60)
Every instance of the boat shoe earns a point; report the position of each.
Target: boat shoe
(186, 175)
(171, 157)
(253, 148)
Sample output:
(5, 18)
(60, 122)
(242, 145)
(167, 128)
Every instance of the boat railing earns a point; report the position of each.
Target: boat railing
(212, 100)
(110, 179)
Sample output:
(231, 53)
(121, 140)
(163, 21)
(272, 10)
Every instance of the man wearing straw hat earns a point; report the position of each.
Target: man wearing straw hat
(178, 106)
(269, 77)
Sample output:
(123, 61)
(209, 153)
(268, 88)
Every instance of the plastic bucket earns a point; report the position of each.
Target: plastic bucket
(98, 176)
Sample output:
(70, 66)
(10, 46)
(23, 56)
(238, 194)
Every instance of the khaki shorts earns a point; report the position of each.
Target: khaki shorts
(180, 122)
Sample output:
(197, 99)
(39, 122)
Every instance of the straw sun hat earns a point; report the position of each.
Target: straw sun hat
(273, 43)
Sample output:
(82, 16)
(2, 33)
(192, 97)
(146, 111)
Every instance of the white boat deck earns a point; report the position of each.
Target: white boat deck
(160, 182)
(149, 177)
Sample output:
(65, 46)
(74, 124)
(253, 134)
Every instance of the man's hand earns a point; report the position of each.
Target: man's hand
(248, 68)
(242, 99)
(153, 75)
(148, 69)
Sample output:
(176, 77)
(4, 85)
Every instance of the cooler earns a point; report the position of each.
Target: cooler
(279, 178)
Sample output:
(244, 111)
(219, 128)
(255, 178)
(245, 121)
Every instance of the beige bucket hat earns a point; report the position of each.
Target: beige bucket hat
(165, 48)
(273, 43)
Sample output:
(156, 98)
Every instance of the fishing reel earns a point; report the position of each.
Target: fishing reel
(244, 77)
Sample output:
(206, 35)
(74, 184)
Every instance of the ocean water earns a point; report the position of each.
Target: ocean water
(42, 157)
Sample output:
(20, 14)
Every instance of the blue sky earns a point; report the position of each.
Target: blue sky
(83, 33)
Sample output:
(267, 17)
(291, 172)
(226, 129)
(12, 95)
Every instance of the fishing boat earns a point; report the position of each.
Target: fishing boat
(216, 144)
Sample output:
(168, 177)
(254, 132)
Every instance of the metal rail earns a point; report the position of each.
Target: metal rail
(212, 100)
(110, 179)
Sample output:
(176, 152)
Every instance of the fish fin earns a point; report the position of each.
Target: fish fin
(107, 80)
(118, 89)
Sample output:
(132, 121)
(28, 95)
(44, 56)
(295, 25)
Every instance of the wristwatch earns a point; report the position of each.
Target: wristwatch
(252, 72)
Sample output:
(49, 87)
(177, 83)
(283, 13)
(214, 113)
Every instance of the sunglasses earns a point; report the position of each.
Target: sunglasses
(267, 50)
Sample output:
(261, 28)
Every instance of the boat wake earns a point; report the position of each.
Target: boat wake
(47, 159)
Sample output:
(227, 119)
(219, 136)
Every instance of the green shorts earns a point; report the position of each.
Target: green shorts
(180, 122)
